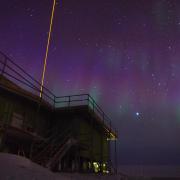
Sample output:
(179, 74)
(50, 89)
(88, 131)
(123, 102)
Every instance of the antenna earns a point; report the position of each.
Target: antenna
(47, 48)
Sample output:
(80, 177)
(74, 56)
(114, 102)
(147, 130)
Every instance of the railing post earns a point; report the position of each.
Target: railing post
(69, 101)
(88, 100)
(4, 65)
(93, 105)
(54, 102)
(3, 69)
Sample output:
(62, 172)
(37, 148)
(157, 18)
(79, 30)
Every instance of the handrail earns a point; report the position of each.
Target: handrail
(95, 107)
(6, 58)
(74, 95)
(14, 71)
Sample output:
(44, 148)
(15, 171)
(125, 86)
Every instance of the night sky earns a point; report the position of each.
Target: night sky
(125, 53)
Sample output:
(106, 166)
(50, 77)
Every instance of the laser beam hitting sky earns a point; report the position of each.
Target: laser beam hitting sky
(47, 48)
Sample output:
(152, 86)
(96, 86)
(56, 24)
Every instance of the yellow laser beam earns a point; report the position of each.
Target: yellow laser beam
(47, 48)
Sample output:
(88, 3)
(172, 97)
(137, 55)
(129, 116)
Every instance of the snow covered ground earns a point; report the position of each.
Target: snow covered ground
(13, 167)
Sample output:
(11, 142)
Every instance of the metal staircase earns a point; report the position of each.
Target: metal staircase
(61, 152)
(51, 150)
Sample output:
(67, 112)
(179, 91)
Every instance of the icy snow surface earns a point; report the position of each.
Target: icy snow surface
(13, 167)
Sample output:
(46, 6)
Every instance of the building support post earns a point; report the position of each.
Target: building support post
(91, 148)
(115, 155)
(92, 138)
(109, 144)
(102, 149)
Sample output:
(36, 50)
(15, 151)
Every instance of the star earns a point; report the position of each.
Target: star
(170, 47)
